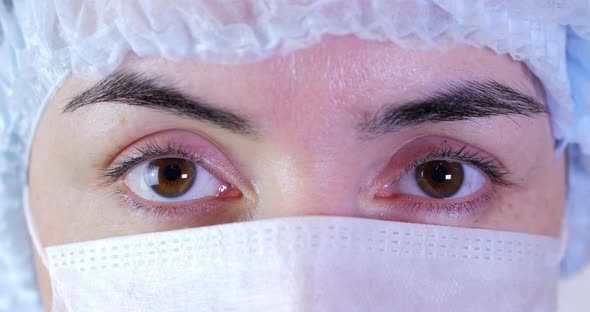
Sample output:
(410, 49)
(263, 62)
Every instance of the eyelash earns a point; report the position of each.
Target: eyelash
(495, 172)
(490, 167)
(150, 152)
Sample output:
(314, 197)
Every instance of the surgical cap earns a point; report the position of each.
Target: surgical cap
(44, 42)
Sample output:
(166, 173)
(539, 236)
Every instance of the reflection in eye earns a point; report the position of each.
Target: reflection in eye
(172, 180)
(170, 177)
(442, 179)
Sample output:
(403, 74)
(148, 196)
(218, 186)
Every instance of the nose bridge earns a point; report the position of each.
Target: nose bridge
(311, 133)
(296, 186)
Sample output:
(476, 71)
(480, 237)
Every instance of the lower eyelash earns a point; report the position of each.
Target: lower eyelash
(451, 210)
(153, 210)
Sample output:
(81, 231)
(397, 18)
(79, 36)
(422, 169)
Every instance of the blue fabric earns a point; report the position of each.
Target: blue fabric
(578, 212)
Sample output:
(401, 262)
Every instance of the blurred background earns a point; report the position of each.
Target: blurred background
(574, 295)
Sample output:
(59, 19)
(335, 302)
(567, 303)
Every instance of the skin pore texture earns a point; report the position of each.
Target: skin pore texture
(304, 151)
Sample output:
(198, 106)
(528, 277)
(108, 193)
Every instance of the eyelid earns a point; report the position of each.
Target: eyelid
(424, 149)
(469, 156)
(174, 143)
(151, 151)
(416, 209)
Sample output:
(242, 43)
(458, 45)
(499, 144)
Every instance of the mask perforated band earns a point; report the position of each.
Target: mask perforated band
(309, 264)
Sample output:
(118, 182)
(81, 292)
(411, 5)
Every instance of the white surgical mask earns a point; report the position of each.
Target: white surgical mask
(308, 264)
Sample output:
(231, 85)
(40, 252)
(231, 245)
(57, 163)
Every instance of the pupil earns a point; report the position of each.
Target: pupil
(439, 173)
(440, 179)
(172, 172)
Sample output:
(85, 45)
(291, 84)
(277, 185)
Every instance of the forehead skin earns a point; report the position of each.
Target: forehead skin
(344, 74)
(307, 158)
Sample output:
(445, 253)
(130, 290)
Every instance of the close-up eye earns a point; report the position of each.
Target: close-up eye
(442, 179)
(173, 180)
(435, 176)
(161, 176)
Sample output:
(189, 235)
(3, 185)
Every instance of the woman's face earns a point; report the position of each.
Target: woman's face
(345, 128)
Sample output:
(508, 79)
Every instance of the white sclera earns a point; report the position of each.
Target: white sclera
(473, 181)
(141, 179)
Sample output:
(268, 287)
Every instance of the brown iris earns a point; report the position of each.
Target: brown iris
(440, 179)
(172, 176)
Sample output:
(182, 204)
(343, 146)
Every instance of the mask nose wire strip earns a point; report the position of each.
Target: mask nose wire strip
(32, 231)
(35, 237)
(563, 239)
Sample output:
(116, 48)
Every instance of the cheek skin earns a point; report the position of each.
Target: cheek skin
(541, 208)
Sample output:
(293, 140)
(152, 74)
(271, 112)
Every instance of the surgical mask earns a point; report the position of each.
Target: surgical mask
(308, 264)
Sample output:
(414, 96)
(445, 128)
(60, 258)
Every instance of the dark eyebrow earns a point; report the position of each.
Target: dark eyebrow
(463, 101)
(138, 90)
